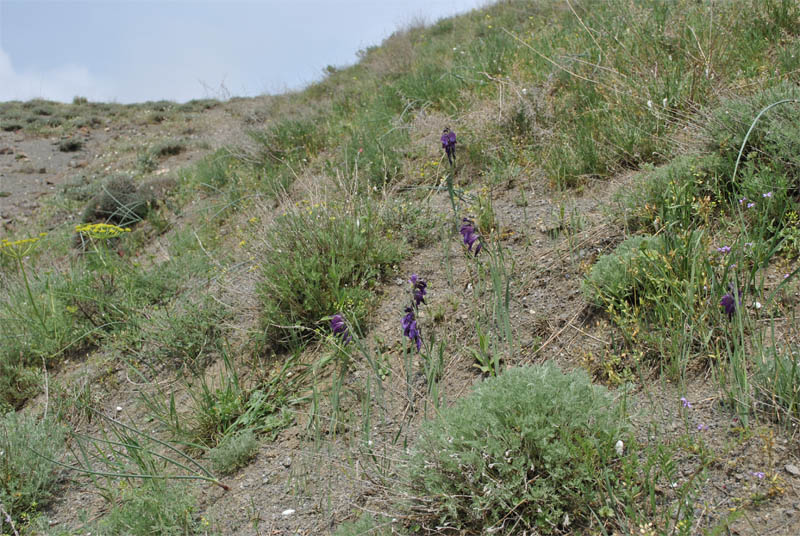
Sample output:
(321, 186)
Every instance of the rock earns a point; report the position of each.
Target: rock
(287, 512)
(792, 469)
(287, 462)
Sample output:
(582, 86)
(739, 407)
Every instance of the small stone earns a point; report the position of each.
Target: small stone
(287, 512)
(119, 408)
(792, 469)
(287, 462)
(619, 447)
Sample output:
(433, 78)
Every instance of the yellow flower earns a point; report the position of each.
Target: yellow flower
(101, 230)
(19, 248)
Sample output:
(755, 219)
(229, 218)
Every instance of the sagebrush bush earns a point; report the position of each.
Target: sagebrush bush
(234, 452)
(367, 524)
(655, 278)
(612, 278)
(522, 452)
(27, 479)
(153, 507)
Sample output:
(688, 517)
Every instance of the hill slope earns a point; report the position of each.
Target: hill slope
(303, 320)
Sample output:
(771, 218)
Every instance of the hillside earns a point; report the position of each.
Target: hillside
(292, 315)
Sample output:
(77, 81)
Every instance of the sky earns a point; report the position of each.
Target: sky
(134, 51)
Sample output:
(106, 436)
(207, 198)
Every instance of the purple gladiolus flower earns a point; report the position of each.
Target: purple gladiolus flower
(724, 249)
(410, 328)
(759, 475)
(767, 195)
(750, 205)
(339, 328)
(469, 235)
(685, 403)
(702, 427)
(448, 140)
(419, 291)
(729, 303)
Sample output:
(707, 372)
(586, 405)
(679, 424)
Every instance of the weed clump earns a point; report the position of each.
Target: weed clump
(532, 449)
(27, 479)
(321, 259)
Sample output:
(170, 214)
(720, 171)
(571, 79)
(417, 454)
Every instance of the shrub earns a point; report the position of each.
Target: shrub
(321, 259)
(154, 507)
(70, 145)
(27, 479)
(658, 276)
(611, 279)
(168, 148)
(367, 524)
(234, 452)
(525, 450)
(118, 202)
(774, 142)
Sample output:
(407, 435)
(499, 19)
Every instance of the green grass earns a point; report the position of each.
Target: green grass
(28, 480)
(321, 259)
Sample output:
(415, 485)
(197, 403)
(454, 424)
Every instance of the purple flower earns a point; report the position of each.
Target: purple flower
(724, 250)
(759, 475)
(410, 328)
(685, 403)
(339, 328)
(418, 289)
(469, 235)
(742, 201)
(750, 205)
(702, 427)
(729, 303)
(767, 195)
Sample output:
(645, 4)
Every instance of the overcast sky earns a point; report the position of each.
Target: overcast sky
(132, 51)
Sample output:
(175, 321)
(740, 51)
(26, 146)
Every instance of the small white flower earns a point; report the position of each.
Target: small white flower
(757, 305)
(664, 102)
(650, 104)
(119, 408)
(619, 447)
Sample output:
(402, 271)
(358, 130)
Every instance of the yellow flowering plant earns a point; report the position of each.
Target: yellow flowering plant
(18, 250)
